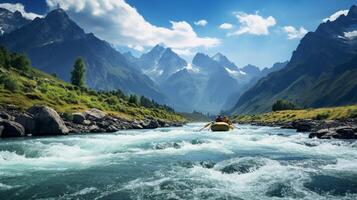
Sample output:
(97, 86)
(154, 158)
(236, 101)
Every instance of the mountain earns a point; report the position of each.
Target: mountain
(202, 85)
(251, 76)
(54, 42)
(10, 21)
(159, 63)
(276, 67)
(321, 71)
(223, 60)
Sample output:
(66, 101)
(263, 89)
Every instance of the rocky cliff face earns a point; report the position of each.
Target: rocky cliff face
(10, 21)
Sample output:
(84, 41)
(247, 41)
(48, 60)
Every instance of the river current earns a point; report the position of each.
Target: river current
(250, 162)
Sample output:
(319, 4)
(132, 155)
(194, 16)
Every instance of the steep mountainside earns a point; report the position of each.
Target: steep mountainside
(158, 64)
(54, 42)
(321, 71)
(10, 21)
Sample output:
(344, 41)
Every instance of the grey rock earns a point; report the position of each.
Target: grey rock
(27, 121)
(47, 121)
(11, 129)
(136, 125)
(94, 114)
(303, 125)
(6, 116)
(78, 118)
(151, 124)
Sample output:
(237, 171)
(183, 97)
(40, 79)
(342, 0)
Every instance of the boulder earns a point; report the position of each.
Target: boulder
(11, 129)
(151, 124)
(345, 132)
(95, 129)
(341, 132)
(47, 121)
(27, 121)
(111, 129)
(136, 125)
(303, 125)
(163, 123)
(78, 118)
(6, 116)
(94, 114)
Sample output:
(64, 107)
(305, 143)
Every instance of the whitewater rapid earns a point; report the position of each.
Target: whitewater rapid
(250, 162)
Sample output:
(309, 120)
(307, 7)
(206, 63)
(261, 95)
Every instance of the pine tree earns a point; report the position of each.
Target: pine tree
(78, 73)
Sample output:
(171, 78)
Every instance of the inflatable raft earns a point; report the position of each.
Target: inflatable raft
(221, 126)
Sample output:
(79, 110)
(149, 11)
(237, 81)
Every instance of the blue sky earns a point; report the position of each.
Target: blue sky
(146, 22)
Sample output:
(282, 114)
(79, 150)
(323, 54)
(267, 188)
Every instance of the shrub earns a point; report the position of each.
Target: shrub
(21, 62)
(283, 105)
(352, 114)
(322, 116)
(9, 83)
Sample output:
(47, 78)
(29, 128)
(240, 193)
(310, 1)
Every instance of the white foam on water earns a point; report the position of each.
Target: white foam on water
(83, 151)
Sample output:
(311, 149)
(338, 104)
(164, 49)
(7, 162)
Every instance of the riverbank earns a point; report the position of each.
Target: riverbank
(324, 123)
(44, 121)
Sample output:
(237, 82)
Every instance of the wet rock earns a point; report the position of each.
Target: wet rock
(341, 132)
(6, 116)
(78, 118)
(136, 125)
(94, 114)
(176, 145)
(95, 129)
(207, 164)
(303, 125)
(11, 129)
(111, 129)
(27, 121)
(151, 124)
(47, 121)
(241, 166)
(163, 123)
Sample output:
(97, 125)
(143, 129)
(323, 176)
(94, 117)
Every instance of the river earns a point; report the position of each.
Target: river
(250, 162)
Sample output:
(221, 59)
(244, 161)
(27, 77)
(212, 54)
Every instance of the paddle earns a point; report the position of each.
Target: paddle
(207, 125)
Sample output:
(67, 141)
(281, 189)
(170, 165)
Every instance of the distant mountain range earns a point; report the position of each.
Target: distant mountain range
(208, 84)
(55, 41)
(322, 71)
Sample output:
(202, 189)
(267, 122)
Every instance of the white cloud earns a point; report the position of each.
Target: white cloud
(350, 35)
(226, 26)
(335, 15)
(294, 33)
(253, 24)
(19, 7)
(121, 24)
(201, 22)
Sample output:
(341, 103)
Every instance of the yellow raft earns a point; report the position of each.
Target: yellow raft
(221, 126)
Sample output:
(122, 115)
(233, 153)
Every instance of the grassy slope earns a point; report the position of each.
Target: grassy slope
(291, 115)
(36, 87)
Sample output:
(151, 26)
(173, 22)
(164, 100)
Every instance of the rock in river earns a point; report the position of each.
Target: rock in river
(47, 121)
(11, 129)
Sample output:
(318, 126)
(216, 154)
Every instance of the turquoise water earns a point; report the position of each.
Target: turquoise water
(179, 163)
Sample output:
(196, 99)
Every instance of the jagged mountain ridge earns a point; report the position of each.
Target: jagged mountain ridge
(55, 41)
(311, 69)
(10, 21)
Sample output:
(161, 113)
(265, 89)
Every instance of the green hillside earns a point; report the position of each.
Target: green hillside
(342, 112)
(23, 86)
